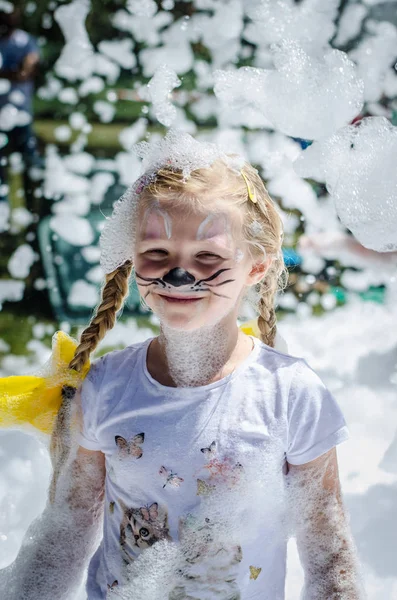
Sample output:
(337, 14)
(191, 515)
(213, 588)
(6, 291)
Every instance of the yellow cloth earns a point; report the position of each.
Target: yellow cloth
(251, 328)
(35, 400)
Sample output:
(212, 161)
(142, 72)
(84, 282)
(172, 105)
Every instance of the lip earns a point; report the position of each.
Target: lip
(180, 299)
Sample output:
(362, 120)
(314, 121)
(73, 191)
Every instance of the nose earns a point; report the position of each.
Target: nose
(177, 277)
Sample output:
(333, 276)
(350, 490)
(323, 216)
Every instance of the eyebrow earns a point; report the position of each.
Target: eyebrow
(206, 242)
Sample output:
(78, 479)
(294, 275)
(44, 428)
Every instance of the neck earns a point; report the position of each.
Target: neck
(199, 357)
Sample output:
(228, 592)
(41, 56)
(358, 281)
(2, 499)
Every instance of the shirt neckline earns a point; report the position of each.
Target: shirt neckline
(165, 389)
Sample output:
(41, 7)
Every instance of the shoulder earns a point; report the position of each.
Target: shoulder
(296, 377)
(275, 359)
(117, 361)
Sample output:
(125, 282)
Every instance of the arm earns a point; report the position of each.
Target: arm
(325, 545)
(26, 70)
(58, 545)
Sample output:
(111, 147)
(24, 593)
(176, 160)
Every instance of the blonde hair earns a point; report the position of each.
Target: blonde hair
(261, 226)
(114, 292)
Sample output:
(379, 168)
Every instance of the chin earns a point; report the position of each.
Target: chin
(181, 323)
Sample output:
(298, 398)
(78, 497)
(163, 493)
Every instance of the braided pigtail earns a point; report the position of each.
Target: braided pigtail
(267, 322)
(113, 294)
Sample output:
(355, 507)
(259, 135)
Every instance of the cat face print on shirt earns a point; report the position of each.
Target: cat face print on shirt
(142, 527)
(131, 447)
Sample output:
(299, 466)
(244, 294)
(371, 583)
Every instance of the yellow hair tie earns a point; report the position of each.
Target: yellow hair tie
(251, 193)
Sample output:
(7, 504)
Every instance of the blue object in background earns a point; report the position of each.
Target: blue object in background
(291, 258)
(303, 143)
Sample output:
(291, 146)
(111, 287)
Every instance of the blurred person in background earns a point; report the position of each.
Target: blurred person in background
(19, 65)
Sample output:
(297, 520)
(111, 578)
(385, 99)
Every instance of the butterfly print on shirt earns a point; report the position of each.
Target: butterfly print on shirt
(131, 448)
(170, 477)
(254, 572)
(218, 471)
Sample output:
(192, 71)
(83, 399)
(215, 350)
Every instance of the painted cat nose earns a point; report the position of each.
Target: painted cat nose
(177, 277)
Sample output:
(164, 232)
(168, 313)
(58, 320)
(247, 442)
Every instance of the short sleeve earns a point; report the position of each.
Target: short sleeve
(90, 399)
(315, 421)
(32, 46)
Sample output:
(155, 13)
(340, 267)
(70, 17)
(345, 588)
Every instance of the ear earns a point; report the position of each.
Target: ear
(258, 271)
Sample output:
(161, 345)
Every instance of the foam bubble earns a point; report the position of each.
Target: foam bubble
(77, 57)
(159, 89)
(21, 261)
(358, 168)
(305, 95)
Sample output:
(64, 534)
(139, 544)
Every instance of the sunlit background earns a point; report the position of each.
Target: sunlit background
(92, 103)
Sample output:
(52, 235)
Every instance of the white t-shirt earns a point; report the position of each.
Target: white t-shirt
(195, 496)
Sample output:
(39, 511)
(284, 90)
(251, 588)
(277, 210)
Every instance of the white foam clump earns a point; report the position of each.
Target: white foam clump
(177, 150)
(74, 230)
(91, 254)
(59, 180)
(305, 95)
(83, 294)
(374, 56)
(92, 85)
(175, 51)
(120, 51)
(77, 58)
(104, 110)
(142, 28)
(100, 184)
(4, 216)
(130, 135)
(142, 8)
(159, 89)
(63, 133)
(77, 120)
(311, 22)
(80, 162)
(11, 291)
(357, 165)
(221, 31)
(350, 23)
(128, 167)
(68, 95)
(5, 86)
(11, 117)
(21, 261)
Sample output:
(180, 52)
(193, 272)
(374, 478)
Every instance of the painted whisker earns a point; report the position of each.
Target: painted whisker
(211, 276)
(223, 283)
(150, 279)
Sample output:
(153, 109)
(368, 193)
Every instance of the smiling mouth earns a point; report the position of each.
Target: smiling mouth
(180, 299)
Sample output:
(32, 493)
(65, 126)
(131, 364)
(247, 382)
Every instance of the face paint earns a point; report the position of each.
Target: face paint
(239, 255)
(215, 228)
(156, 222)
(180, 278)
(194, 277)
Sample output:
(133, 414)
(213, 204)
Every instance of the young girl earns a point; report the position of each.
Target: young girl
(204, 448)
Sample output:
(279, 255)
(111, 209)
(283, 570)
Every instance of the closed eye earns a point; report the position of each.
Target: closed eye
(158, 251)
(209, 255)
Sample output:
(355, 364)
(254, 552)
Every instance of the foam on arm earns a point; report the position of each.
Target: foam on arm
(321, 526)
(59, 544)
